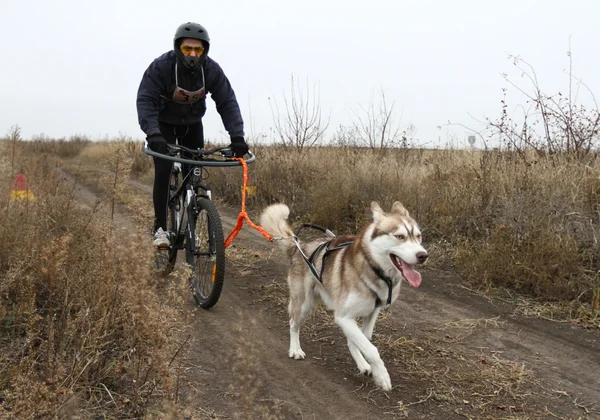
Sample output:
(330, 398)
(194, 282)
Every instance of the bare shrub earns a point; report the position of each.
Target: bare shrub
(378, 127)
(346, 136)
(141, 163)
(550, 123)
(14, 133)
(14, 136)
(301, 125)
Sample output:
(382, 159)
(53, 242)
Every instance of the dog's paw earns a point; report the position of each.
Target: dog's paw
(297, 354)
(383, 381)
(365, 369)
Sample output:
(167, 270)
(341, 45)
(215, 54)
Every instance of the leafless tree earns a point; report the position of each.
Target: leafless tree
(377, 125)
(300, 124)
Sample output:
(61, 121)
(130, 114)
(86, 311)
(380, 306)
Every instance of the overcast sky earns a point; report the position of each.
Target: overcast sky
(73, 67)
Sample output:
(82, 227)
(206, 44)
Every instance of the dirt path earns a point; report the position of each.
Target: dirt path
(450, 353)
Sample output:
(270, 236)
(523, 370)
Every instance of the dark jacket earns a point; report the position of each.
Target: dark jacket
(156, 101)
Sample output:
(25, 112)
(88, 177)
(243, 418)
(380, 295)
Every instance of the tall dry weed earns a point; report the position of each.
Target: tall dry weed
(140, 162)
(84, 331)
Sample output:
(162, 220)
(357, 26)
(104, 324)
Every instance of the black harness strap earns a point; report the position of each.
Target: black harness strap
(311, 260)
(317, 227)
(387, 281)
(329, 251)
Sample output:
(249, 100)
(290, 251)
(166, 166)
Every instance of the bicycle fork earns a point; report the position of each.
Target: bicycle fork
(189, 224)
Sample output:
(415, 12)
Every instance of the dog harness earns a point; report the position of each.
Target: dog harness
(310, 261)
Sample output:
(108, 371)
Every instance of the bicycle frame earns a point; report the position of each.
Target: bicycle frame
(202, 238)
(187, 192)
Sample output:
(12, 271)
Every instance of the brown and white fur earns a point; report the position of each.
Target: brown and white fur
(351, 287)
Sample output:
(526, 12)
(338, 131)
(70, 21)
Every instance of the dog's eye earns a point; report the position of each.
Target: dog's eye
(400, 236)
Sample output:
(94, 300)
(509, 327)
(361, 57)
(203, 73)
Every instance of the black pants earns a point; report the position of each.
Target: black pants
(191, 136)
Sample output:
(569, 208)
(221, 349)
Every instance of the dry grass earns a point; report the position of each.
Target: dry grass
(496, 220)
(62, 148)
(85, 331)
(499, 221)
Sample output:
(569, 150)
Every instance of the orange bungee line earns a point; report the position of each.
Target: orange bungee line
(243, 215)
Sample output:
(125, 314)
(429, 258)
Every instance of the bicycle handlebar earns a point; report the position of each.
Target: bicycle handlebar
(200, 153)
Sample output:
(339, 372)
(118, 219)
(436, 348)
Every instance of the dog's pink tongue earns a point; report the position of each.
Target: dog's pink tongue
(413, 277)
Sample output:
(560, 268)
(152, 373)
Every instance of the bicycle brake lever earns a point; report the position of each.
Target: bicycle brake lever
(171, 150)
(228, 153)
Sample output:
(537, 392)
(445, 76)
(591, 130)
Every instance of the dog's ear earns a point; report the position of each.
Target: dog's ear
(399, 209)
(377, 211)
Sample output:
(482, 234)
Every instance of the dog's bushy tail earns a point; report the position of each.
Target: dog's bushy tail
(274, 220)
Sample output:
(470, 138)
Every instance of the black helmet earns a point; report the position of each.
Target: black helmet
(194, 31)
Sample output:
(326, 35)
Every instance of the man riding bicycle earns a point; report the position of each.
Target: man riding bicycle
(171, 102)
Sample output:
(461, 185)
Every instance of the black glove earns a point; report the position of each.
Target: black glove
(239, 146)
(157, 143)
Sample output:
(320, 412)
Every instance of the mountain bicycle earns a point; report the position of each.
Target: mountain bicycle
(193, 222)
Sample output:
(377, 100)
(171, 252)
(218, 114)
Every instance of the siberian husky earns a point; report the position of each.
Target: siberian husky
(355, 276)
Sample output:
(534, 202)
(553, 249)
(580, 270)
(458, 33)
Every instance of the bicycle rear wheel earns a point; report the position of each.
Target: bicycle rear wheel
(206, 255)
(166, 258)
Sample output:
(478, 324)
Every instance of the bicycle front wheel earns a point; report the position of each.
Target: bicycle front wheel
(206, 254)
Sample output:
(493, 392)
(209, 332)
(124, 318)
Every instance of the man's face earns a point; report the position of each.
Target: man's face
(191, 49)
